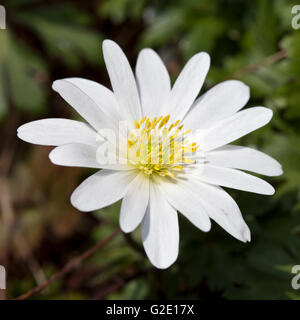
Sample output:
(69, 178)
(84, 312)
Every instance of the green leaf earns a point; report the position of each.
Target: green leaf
(26, 74)
(68, 43)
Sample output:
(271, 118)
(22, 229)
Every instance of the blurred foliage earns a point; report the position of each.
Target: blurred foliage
(46, 40)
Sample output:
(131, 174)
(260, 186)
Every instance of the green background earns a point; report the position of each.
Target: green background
(40, 231)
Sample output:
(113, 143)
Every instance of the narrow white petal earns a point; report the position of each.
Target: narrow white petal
(135, 203)
(233, 128)
(122, 79)
(235, 179)
(153, 82)
(82, 103)
(160, 232)
(188, 85)
(220, 102)
(244, 158)
(102, 96)
(101, 189)
(80, 155)
(220, 207)
(55, 132)
(187, 203)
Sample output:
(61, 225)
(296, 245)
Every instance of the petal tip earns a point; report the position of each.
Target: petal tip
(108, 43)
(52, 156)
(206, 57)
(246, 235)
(19, 133)
(207, 227)
(267, 112)
(163, 265)
(125, 227)
(278, 171)
(271, 191)
(75, 203)
(55, 85)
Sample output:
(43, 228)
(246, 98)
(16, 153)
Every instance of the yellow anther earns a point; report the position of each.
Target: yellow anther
(157, 167)
(164, 121)
(186, 160)
(148, 123)
(172, 175)
(130, 143)
(187, 132)
(171, 126)
(158, 120)
(143, 120)
(177, 168)
(162, 173)
(161, 124)
(152, 124)
(136, 125)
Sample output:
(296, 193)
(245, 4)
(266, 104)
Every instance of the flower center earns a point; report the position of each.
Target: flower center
(156, 147)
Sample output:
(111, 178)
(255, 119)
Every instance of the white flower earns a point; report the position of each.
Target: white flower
(186, 175)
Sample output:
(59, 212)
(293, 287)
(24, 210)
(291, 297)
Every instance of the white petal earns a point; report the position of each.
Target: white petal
(82, 103)
(220, 102)
(135, 203)
(122, 79)
(153, 82)
(244, 158)
(101, 189)
(187, 203)
(233, 178)
(160, 232)
(80, 155)
(74, 155)
(55, 132)
(102, 96)
(220, 207)
(188, 85)
(233, 128)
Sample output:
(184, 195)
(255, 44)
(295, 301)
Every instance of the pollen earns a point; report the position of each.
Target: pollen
(156, 146)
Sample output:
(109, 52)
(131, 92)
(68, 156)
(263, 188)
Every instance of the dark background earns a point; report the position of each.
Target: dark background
(39, 229)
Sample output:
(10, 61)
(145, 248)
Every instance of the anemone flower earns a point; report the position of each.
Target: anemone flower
(173, 155)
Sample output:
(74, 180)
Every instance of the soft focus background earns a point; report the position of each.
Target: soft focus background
(39, 229)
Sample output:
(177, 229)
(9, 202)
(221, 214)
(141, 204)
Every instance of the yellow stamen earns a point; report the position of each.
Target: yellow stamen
(152, 148)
